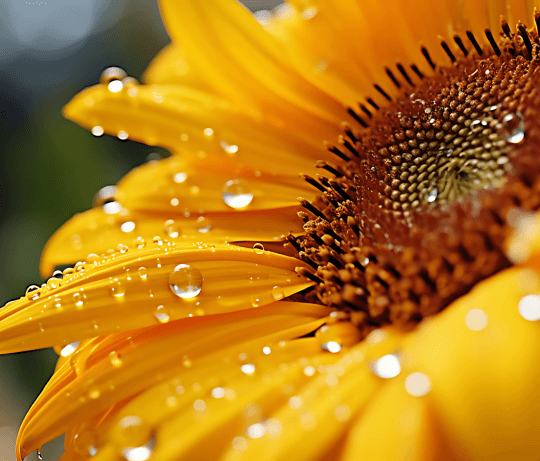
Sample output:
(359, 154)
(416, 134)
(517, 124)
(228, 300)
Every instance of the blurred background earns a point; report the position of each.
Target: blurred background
(51, 168)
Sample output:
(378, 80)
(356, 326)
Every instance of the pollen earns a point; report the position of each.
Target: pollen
(414, 210)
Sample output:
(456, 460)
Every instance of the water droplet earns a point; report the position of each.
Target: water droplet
(98, 131)
(278, 293)
(208, 131)
(236, 194)
(203, 225)
(116, 361)
(84, 443)
(122, 135)
(388, 366)
(118, 290)
(69, 349)
(135, 439)
(172, 229)
(179, 177)
(112, 208)
(53, 283)
(230, 149)
(331, 346)
(258, 248)
(115, 86)
(432, 196)
(128, 226)
(513, 128)
(122, 248)
(529, 307)
(112, 73)
(186, 281)
(78, 299)
(310, 12)
(143, 273)
(248, 368)
(33, 292)
(417, 384)
(39, 455)
(162, 314)
(140, 243)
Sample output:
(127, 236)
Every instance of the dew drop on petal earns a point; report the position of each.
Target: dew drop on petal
(476, 319)
(248, 368)
(143, 273)
(118, 290)
(529, 307)
(123, 249)
(185, 281)
(115, 86)
(208, 131)
(115, 360)
(417, 384)
(98, 131)
(112, 73)
(172, 229)
(513, 128)
(179, 177)
(128, 226)
(162, 314)
(237, 194)
(112, 208)
(388, 366)
(203, 225)
(122, 135)
(230, 149)
(258, 248)
(69, 349)
(141, 453)
(140, 243)
(78, 299)
(33, 292)
(331, 346)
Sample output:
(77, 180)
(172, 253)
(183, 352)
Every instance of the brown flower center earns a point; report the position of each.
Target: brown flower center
(415, 213)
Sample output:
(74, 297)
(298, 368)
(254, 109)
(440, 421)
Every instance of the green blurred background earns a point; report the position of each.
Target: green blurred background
(49, 167)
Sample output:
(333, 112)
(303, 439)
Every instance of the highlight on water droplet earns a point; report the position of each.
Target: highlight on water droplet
(258, 248)
(115, 86)
(122, 248)
(237, 194)
(248, 368)
(98, 131)
(186, 281)
(230, 149)
(112, 73)
(33, 292)
(388, 366)
(162, 313)
(128, 226)
(331, 346)
(140, 243)
(115, 359)
(179, 177)
(69, 349)
(141, 453)
(112, 208)
(513, 128)
(208, 131)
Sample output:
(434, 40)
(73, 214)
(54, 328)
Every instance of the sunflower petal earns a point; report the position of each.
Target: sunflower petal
(144, 287)
(478, 356)
(122, 365)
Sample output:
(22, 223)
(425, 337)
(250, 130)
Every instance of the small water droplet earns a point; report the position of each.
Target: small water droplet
(127, 227)
(98, 131)
(331, 346)
(237, 194)
(186, 281)
(33, 292)
(123, 249)
(122, 135)
(230, 149)
(39, 455)
(112, 73)
(248, 368)
(116, 361)
(78, 299)
(203, 225)
(432, 196)
(278, 293)
(143, 273)
(157, 240)
(258, 248)
(162, 314)
(118, 290)
(69, 349)
(208, 131)
(140, 243)
(179, 177)
(388, 366)
(172, 229)
(53, 283)
(513, 128)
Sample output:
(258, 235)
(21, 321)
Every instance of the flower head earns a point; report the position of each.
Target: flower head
(390, 312)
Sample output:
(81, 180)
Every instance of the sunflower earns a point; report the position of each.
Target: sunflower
(390, 312)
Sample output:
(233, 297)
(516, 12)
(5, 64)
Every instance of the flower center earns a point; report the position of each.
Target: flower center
(415, 212)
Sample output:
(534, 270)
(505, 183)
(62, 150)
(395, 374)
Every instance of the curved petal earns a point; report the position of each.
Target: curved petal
(144, 287)
(480, 355)
(123, 365)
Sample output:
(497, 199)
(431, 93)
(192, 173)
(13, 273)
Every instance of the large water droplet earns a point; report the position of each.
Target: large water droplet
(33, 292)
(186, 281)
(162, 314)
(172, 229)
(513, 128)
(112, 73)
(118, 290)
(143, 273)
(237, 194)
(258, 248)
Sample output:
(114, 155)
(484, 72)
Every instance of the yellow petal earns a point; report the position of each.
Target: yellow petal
(193, 347)
(145, 287)
(94, 231)
(480, 355)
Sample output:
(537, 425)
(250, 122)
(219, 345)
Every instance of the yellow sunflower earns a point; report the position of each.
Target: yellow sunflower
(393, 313)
